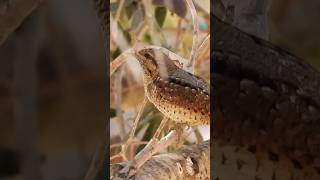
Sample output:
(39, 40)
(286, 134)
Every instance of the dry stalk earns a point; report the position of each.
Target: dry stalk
(193, 12)
(161, 126)
(119, 114)
(151, 148)
(178, 34)
(137, 143)
(204, 42)
(130, 141)
(151, 22)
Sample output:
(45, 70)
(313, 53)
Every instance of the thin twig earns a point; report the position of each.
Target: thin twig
(115, 30)
(119, 10)
(136, 143)
(115, 64)
(138, 31)
(193, 13)
(118, 36)
(130, 139)
(119, 114)
(151, 148)
(178, 34)
(135, 123)
(151, 22)
(115, 156)
(204, 42)
(197, 134)
(99, 156)
(162, 124)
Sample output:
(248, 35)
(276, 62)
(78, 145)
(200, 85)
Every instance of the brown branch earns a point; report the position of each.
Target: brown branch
(190, 162)
(99, 159)
(28, 42)
(13, 13)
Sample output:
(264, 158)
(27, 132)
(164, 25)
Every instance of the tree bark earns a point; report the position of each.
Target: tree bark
(12, 14)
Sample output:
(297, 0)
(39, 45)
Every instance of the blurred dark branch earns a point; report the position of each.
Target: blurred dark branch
(13, 13)
(100, 160)
(28, 42)
(102, 9)
(96, 169)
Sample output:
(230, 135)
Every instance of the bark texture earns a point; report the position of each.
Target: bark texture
(192, 162)
(266, 109)
(12, 14)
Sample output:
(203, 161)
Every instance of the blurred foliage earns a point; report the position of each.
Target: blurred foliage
(294, 25)
(160, 15)
(177, 6)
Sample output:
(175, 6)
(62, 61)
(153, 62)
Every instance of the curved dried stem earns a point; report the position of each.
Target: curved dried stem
(151, 22)
(131, 139)
(203, 43)
(115, 157)
(151, 148)
(119, 114)
(136, 143)
(197, 134)
(117, 35)
(178, 34)
(135, 124)
(161, 126)
(115, 64)
(119, 10)
(193, 13)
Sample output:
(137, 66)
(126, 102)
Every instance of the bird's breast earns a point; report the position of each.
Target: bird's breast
(180, 102)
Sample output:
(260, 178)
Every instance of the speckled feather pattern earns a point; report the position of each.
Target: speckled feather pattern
(181, 101)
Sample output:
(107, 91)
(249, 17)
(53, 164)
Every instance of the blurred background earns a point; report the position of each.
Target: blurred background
(294, 26)
(53, 90)
(53, 93)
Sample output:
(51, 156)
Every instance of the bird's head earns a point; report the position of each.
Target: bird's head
(154, 63)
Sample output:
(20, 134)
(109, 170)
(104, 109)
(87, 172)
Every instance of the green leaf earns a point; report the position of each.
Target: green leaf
(160, 13)
(147, 38)
(112, 112)
(179, 7)
(115, 53)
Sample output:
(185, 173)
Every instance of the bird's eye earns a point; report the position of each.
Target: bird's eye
(148, 55)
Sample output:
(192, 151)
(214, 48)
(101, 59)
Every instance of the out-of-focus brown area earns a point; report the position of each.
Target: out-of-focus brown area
(65, 45)
(294, 25)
